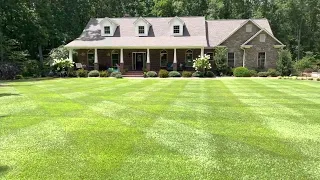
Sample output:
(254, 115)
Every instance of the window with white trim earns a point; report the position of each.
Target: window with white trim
(261, 60)
(141, 29)
(231, 59)
(115, 58)
(249, 28)
(107, 30)
(176, 29)
(263, 38)
(163, 58)
(189, 58)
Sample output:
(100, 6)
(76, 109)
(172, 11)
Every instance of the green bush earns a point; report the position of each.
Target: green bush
(71, 73)
(174, 74)
(318, 79)
(280, 77)
(104, 74)
(241, 72)
(186, 74)
(263, 74)
(118, 76)
(163, 73)
(30, 68)
(273, 73)
(94, 73)
(210, 74)
(18, 77)
(310, 78)
(82, 73)
(151, 74)
(253, 73)
(197, 74)
(114, 74)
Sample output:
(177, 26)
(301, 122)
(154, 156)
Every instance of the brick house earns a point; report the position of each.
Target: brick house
(172, 43)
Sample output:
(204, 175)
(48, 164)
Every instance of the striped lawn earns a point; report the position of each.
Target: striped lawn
(97, 128)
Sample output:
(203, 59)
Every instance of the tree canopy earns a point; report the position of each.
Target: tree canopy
(33, 27)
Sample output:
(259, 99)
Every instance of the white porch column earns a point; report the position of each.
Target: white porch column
(175, 56)
(96, 60)
(70, 54)
(121, 55)
(175, 66)
(244, 58)
(148, 60)
(202, 51)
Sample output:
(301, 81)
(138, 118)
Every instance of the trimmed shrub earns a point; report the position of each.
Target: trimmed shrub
(174, 74)
(210, 74)
(152, 74)
(280, 77)
(82, 73)
(118, 76)
(311, 79)
(18, 77)
(163, 73)
(71, 73)
(8, 70)
(104, 74)
(318, 79)
(273, 73)
(186, 74)
(263, 74)
(114, 74)
(197, 74)
(241, 72)
(94, 73)
(253, 73)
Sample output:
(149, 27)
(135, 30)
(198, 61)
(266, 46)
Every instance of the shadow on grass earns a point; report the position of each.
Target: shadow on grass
(8, 94)
(28, 80)
(4, 170)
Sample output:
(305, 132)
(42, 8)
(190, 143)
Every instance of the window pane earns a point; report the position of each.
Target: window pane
(141, 29)
(176, 29)
(115, 60)
(189, 58)
(163, 59)
(261, 59)
(107, 29)
(90, 59)
(231, 59)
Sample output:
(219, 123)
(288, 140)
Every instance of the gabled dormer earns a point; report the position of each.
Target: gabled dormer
(141, 27)
(108, 27)
(176, 26)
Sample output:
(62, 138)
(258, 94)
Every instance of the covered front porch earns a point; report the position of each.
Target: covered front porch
(138, 59)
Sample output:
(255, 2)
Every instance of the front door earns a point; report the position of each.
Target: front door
(139, 61)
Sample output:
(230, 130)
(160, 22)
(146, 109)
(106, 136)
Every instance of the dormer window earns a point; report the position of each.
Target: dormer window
(176, 29)
(262, 38)
(107, 30)
(141, 29)
(249, 28)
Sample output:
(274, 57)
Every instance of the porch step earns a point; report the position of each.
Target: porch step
(133, 74)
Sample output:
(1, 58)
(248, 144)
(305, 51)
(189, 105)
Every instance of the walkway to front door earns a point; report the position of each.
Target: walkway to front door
(138, 61)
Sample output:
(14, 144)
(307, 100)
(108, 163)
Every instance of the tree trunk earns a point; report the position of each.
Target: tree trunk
(1, 47)
(40, 58)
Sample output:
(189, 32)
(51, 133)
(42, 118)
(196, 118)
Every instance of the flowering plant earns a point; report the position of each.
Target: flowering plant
(202, 64)
(62, 64)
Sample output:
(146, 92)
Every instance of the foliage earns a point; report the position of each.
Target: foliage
(163, 73)
(118, 76)
(151, 74)
(104, 74)
(82, 73)
(220, 59)
(30, 67)
(197, 74)
(284, 62)
(8, 70)
(114, 74)
(241, 72)
(174, 74)
(273, 72)
(186, 74)
(308, 62)
(18, 76)
(209, 74)
(71, 73)
(60, 65)
(202, 64)
(94, 73)
(59, 53)
(263, 74)
(253, 73)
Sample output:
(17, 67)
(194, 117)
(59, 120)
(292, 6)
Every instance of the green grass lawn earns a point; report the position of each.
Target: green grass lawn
(97, 128)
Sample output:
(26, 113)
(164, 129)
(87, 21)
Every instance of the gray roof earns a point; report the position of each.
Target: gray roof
(197, 33)
(159, 34)
(219, 30)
